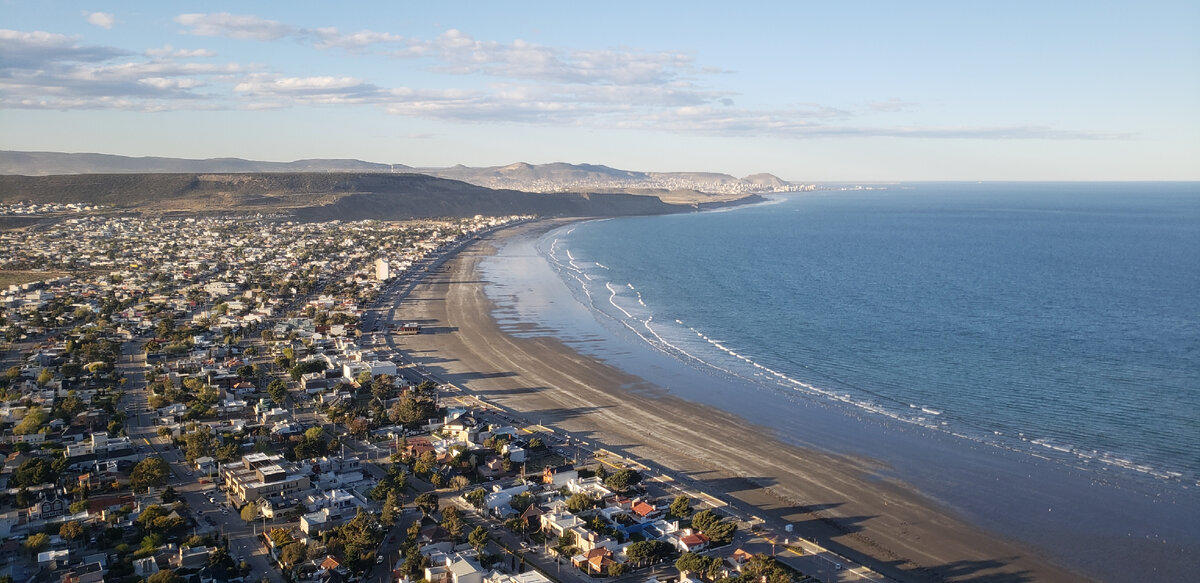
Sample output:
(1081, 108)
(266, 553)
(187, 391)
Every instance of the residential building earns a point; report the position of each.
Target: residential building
(258, 475)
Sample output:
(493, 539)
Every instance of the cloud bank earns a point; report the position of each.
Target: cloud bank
(507, 82)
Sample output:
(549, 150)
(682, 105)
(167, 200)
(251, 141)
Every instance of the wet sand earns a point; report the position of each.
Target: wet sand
(840, 501)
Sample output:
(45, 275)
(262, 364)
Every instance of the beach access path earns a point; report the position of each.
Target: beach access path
(847, 504)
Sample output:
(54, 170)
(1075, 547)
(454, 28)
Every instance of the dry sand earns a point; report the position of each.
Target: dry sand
(836, 500)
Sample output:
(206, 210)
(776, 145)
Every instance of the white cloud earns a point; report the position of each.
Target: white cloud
(459, 53)
(39, 49)
(234, 26)
(531, 84)
(101, 19)
(170, 52)
(245, 26)
(169, 83)
(892, 105)
(330, 38)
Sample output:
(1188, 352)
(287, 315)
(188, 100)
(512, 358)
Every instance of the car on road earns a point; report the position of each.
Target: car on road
(378, 559)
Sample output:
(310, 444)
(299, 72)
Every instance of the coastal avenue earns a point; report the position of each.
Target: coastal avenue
(754, 534)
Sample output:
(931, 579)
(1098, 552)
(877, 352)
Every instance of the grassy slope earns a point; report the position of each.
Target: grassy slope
(317, 196)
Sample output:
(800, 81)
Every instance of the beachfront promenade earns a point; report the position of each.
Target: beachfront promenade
(757, 534)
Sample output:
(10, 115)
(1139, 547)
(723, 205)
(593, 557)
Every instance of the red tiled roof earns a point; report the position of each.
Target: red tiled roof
(643, 509)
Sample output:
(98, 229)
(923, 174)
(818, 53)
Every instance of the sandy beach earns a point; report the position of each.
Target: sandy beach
(840, 501)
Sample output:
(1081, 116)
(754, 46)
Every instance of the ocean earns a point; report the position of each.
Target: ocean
(1049, 331)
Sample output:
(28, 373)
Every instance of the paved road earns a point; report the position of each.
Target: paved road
(144, 435)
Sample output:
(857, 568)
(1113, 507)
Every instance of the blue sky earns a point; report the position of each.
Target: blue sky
(810, 91)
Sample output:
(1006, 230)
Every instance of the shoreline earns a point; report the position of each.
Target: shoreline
(849, 508)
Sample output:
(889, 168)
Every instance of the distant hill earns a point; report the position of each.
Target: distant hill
(556, 177)
(51, 163)
(319, 196)
(561, 177)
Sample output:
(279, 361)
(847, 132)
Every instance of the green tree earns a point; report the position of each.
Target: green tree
(425, 464)
(278, 390)
(427, 502)
(616, 569)
(164, 576)
(623, 479)
(66, 409)
(165, 327)
(566, 544)
(151, 513)
(37, 542)
(579, 502)
(765, 569)
(459, 482)
(648, 552)
(71, 530)
(410, 410)
(479, 539)
(475, 497)
(152, 471)
(44, 377)
(280, 537)
(199, 443)
(292, 553)
(382, 387)
(681, 507)
(452, 521)
(521, 502)
(306, 367)
(34, 471)
(249, 512)
(706, 567)
(388, 515)
(719, 530)
(33, 420)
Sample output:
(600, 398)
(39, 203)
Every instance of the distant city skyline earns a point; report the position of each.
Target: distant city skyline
(810, 92)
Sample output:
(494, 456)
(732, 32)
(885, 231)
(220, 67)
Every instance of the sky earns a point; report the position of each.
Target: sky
(809, 91)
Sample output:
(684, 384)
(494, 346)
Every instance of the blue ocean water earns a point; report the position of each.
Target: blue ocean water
(1060, 319)
(1026, 355)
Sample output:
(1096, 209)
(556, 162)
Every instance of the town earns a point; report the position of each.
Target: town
(219, 399)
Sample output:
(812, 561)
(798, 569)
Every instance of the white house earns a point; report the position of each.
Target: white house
(497, 501)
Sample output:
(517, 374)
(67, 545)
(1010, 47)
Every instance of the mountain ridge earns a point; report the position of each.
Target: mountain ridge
(551, 177)
(323, 196)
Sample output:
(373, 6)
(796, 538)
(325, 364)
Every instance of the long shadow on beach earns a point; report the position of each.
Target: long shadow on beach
(970, 571)
(729, 485)
(470, 376)
(427, 362)
(558, 415)
(516, 391)
(825, 530)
